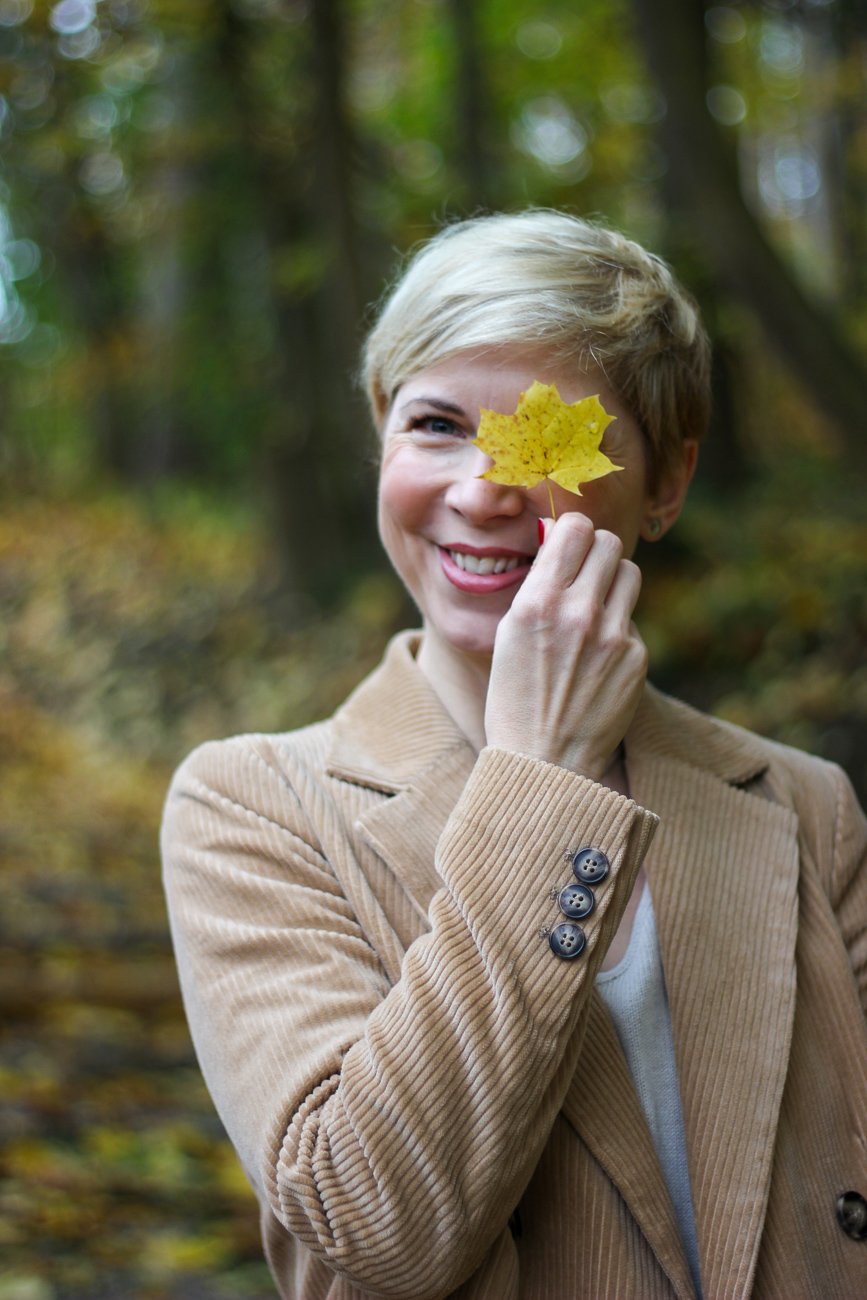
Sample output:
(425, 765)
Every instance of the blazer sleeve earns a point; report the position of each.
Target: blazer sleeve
(392, 1129)
(849, 878)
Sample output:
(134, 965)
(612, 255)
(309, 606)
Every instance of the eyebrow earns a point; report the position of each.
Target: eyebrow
(449, 408)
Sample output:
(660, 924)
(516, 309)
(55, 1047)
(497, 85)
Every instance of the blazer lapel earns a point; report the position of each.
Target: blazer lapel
(723, 872)
(405, 830)
(603, 1108)
(393, 735)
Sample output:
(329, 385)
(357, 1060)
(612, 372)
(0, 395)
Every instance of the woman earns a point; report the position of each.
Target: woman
(517, 978)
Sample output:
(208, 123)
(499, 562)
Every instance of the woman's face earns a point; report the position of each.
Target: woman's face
(461, 544)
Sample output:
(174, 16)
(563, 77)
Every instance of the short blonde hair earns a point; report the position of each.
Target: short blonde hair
(596, 298)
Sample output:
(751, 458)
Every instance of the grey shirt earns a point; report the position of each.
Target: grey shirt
(634, 994)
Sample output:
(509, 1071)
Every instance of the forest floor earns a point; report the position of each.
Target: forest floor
(127, 637)
(130, 632)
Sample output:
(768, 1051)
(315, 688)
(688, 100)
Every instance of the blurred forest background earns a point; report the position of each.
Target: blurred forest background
(199, 200)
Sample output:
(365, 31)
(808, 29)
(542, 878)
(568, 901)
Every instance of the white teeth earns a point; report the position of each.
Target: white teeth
(485, 564)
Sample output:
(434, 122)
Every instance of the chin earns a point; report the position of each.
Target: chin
(475, 639)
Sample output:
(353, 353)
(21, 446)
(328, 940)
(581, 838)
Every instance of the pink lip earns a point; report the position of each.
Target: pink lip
(481, 584)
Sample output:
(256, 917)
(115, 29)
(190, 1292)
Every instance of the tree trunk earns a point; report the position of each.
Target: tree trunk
(314, 453)
(162, 443)
(848, 23)
(704, 179)
(87, 264)
(332, 197)
(470, 98)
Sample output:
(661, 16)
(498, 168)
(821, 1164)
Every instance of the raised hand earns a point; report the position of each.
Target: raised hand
(569, 665)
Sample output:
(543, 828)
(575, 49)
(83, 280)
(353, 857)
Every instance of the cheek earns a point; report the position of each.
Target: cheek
(618, 508)
(404, 495)
(609, 500)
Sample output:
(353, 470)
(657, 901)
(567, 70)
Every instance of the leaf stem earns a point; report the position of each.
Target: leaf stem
(550, 498)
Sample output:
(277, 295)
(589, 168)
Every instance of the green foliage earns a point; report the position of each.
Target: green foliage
(200, 199)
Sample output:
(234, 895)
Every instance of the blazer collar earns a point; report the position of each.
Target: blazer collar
(667, 728)
(394, 735)
(393, 726)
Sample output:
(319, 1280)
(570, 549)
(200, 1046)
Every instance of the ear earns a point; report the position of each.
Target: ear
(664, 504)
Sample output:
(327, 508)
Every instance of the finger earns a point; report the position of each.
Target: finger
(599, 566)
(567, 543)
(623, 596)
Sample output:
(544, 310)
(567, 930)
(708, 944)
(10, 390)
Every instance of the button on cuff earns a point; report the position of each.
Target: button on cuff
(576, 901)
(567, 940)
(590, 866)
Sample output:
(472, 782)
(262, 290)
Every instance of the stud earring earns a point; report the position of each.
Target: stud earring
(654, 528)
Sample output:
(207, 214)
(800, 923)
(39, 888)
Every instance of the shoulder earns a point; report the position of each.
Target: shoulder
(230, 764)
(831, 823)
(382, 714)
(252, 783)
(287, 778)
(732, 752)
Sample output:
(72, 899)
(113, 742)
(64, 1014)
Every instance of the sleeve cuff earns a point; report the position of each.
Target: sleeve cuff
(502, 854)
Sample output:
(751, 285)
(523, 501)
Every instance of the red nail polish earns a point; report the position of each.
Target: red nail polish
(540, 524)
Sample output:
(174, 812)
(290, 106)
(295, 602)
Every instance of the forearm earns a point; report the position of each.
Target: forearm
(409, 1121)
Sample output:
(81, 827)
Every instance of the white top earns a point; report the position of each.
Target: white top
(634, 994)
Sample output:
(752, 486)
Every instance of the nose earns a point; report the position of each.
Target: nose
(477, 499)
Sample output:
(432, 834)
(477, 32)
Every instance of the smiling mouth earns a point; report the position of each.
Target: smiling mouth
(487, 564)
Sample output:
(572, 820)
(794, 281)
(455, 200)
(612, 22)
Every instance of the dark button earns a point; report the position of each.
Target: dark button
(576, 901)
(590, 866)
(851, 1214)
(567, 940)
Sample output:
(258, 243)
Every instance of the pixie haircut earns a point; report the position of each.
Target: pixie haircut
(543, 278)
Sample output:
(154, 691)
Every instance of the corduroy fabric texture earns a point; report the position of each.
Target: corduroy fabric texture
(401, 1061)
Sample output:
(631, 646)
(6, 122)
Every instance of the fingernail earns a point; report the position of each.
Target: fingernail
(540, 524)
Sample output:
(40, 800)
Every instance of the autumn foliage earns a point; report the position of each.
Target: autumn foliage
(133, 631)
(546, 438)
(197, 203)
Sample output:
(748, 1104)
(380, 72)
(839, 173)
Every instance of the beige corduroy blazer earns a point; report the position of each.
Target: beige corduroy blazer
(427, 1101)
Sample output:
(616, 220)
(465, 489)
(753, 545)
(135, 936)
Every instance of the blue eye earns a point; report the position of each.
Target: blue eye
(437, 425)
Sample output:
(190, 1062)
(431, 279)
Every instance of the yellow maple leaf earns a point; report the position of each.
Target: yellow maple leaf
(546, 438)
